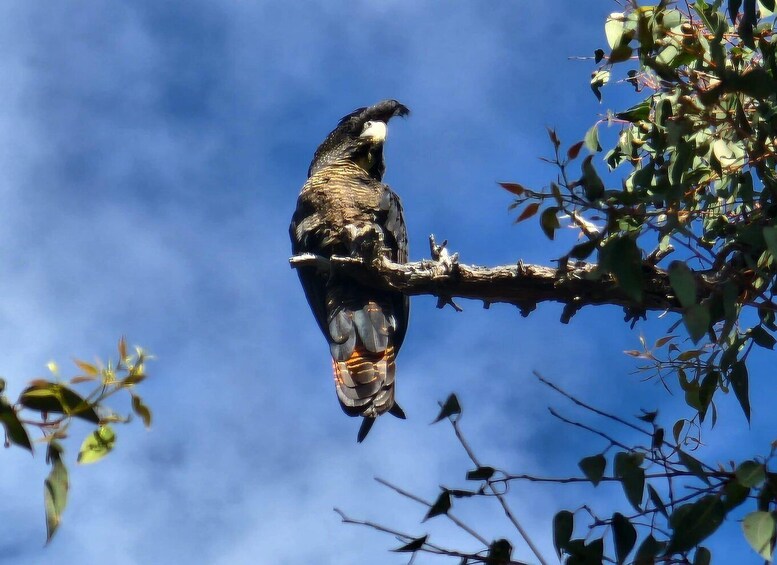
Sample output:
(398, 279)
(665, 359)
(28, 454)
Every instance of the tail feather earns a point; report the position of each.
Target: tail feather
(363, 354)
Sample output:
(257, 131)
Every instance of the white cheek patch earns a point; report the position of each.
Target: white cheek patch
(375, 130)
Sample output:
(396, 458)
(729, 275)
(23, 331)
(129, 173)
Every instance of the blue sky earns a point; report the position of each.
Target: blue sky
(150, 158)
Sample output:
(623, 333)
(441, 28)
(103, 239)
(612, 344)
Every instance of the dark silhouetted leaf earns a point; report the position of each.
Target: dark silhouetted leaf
(549, 221)
(693, 465)
(593, 467)
(451, 407)
(481, 474)
(683, 283)
(694, 522)
(621, 257)
(413, 545)
(591, 182)
(648, 550)
(751, 473)
(619, 54)
(657, 502)
(499, 552)
(440, 506)
(697, 321)
(624, 535)
(734, 494)
(14, 429)
(739, 380)
(563, 524)
(702, 556)
(762, 337)
(632, 476)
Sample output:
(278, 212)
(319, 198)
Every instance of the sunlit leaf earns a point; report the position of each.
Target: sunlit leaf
(759, 528)
(97, 445)
(55, 490)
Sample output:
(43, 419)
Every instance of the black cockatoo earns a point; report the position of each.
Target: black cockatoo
(345, 209)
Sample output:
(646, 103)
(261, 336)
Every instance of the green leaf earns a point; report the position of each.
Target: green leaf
(563, 524)
(740, 383)
(693, 465)
(412, 546)
(624, 535)
(54, 397)
(697, 321)
(440, 506)
(583, 250)
(591, 182)
(759, 528)
(770, 236)
(591, 139)
(613, 29)
(14, 429)
(139, 407)
(55, 489)
(97, 445)
(621, 257)
(751, 473)
(632, 476)
(694, 522)
(702, 556)
(451, 407)
(599, 79)
(619, 54)
(481, 474)
(549, 221)
(762, 337)
(683, 283)
(593, 467)
(638, 113)
(734, 494)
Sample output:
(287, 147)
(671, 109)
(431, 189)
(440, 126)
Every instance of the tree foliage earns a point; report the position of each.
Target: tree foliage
(51, 407)
(690, 195)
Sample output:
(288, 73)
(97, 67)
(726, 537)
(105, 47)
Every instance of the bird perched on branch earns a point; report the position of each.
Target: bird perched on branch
(345, 209)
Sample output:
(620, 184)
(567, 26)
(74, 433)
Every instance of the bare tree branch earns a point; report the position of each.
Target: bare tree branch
(525, 286)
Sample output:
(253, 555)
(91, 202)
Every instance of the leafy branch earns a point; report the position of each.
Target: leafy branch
(51, 407)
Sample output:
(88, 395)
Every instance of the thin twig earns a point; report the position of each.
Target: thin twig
(582, 404)
(499, 496)
(420, 500)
